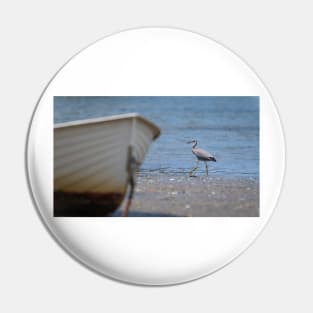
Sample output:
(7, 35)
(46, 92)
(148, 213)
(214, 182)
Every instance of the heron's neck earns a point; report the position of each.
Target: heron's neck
(194, 145)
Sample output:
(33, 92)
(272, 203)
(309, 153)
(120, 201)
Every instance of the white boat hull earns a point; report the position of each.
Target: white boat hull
(91, 162)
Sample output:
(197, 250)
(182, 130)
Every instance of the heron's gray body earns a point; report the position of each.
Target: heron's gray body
(201, 155)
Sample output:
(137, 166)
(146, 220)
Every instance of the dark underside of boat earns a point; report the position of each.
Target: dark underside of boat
(91, 204)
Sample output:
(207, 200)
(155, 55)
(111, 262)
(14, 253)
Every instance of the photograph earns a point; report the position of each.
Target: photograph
(156, 156)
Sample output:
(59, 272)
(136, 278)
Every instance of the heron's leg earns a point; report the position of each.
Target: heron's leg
(207, 168)
(196, 166)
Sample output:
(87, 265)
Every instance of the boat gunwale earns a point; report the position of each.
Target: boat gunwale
(99, 120)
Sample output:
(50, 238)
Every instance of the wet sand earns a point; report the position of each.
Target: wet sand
(163, 195)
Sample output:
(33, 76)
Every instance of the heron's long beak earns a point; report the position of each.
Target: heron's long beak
(189, 142)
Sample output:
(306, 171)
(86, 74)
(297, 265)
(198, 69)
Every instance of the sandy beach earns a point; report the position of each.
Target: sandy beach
(164, 195)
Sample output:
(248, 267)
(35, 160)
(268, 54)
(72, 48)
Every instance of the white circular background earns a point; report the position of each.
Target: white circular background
(155, 62)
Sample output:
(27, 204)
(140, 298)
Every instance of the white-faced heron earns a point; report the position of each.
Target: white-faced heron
(201, 155)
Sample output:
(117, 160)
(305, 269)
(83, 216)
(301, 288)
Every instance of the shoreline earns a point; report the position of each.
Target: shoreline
(172, 195)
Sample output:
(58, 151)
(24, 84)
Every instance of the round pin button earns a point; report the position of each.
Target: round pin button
(155, 156)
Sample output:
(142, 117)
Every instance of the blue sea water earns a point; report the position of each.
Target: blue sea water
(227, 127)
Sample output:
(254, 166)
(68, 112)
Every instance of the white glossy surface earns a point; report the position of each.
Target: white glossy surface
(155, 250)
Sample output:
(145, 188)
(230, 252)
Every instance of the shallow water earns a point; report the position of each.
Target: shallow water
(228, 127)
